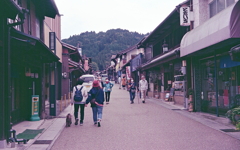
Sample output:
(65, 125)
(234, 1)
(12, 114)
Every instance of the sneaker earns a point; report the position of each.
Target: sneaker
(143, 101)
(81, 123)
(99, 125)
(95, 123)
(76, 121)
(131, 102)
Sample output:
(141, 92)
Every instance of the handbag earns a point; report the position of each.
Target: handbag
(133, 90)
(93, 101)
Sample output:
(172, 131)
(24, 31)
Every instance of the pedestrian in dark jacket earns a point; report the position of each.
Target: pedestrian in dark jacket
(132, 90)
(97, 93)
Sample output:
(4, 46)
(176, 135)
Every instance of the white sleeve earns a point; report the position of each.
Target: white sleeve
(84, 92)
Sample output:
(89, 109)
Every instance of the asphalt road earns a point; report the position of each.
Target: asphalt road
(140, 126)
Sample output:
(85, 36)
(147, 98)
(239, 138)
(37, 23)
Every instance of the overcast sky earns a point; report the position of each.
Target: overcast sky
(101, 15)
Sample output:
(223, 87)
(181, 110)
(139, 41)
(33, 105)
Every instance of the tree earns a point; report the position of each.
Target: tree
(94, 66)
(101, 46)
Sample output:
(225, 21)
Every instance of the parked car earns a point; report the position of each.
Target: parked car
(88, 80)
(104, 77)
(178, 82)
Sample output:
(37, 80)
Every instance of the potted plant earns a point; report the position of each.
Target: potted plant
(205, 105)
(190, 93)
(234, 115)
(238, 125)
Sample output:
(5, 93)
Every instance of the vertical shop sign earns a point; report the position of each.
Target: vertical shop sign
(185, 16)
(35, 108)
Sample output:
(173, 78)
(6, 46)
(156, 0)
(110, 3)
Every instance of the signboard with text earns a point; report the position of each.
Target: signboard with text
(185, 16)
(35, 108)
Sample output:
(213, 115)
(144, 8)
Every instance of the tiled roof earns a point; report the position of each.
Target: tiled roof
(69, 46)
(128, 49)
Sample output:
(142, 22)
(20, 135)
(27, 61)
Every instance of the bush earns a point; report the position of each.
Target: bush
(232, 114)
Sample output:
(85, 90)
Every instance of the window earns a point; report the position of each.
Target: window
(218, 5)
(37, 28)
(230, 2)
(148, 54)
(88, 79)
(52, 41)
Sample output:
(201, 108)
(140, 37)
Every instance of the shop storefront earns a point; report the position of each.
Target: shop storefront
(160, 73)
(30, 66)
(220, 82)
(213, 74)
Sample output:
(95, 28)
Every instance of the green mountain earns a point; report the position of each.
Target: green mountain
(101, 46)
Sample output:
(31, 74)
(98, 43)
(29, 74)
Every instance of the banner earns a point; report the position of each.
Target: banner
(128, 72)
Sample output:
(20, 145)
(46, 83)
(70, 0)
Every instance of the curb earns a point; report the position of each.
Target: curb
(56, 137)
(199, 117)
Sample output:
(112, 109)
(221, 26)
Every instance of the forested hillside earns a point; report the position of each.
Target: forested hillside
(101, 46)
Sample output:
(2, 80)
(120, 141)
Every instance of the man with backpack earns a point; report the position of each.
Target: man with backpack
(79, 97)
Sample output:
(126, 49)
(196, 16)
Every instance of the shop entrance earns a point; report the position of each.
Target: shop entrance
(228, 85)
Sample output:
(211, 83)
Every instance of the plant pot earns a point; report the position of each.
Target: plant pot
(190, 108)
(205, 104)
(190, 103)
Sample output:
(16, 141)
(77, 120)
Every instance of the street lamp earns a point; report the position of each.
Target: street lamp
(165, 47)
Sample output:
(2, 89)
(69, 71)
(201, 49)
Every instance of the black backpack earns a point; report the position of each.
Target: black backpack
(78, 95)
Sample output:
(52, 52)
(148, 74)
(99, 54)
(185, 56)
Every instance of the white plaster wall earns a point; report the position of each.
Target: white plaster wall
(200, 11)
(134, 52)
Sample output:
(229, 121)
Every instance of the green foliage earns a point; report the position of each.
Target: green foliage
(233, 115)
(101, 46)
(238, 126)
(94, 66)
(190, 91)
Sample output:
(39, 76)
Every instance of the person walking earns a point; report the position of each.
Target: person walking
(79, 99)
(107, 89)
(143, 86)
(132, 90)
(96, 97)
(124, 82)
(119, 82)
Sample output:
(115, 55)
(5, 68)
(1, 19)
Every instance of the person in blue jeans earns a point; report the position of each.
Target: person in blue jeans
(107, 89)
(97, 107)
(132, 90)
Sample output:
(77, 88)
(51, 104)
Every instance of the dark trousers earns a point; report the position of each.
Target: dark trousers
(132, 96)
(107, 96)
(76, 108)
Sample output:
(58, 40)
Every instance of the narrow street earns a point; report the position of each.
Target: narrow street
(141, 126)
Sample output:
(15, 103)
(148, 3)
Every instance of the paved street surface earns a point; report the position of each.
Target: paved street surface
(141, 126)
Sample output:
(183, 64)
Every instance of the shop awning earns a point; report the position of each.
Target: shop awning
(174, 52)
(10, 9)
(126, 64)
(225, 25)
(36, 47)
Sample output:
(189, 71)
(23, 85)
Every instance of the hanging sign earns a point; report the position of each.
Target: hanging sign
(185, 16)
(128, 72)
